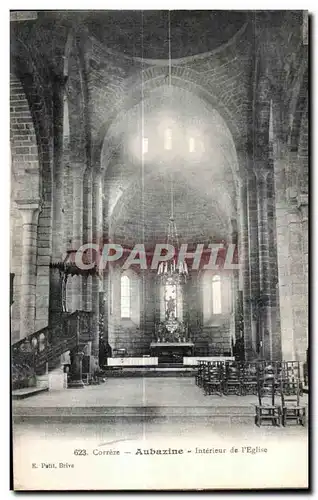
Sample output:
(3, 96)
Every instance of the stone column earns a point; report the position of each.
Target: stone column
(281, 166)
(30, 213)
(298, 288)
(106, 288)
(58, 242)
(244, 268)
(273, 268)
(264, 263)
(303, 206)
(76, 381)
(87, 235)
(96, 280)
(77, 239)
(114, 274)
(253, 260)
(106, 303)
(143, 301)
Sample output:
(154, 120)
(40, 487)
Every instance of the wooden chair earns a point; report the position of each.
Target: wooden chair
(249, 378)
(267, 409)
(213, 378)
(87, 378)
(291, 409)
(232, 383)
(204, 373)
(290, 377)
(200, 373)
(271, 369)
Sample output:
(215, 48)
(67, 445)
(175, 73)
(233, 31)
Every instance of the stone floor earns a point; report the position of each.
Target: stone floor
(165, 392)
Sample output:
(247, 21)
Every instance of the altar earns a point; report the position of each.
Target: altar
(172, 341)
(171, 352)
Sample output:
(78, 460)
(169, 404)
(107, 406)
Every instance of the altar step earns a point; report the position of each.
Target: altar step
(162, 370)
(27, 392)
(170, 365)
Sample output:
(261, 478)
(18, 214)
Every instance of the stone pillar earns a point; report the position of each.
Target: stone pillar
(87, 235)
(105, 303)
(281, 165)
(143, 301)
(56, 297)
(253, 260)
(292, 251)
(77, 239)
(244, 269)
(273, 268)
(264, 264)
(298, 288)
(30, 213)
(262, 168)
(76, 381)
(58, 241)
(114, 305)
(106, 288)
(96, 280)
(58, 244)
(303, 207)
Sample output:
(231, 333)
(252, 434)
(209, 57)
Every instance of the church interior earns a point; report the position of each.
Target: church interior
(148, 128)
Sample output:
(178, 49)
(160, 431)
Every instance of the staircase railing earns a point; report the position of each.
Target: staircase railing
(41, 350)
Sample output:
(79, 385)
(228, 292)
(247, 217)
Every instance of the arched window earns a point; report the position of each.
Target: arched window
(216, 295)
(66, 122)
(168, 139)
(125, 297)
(191, 145)
(144, 145)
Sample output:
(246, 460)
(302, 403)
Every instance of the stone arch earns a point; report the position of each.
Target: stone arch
(33, 77)
(128, 178)
(24, 148)
(76, 91)
(111, 156)
(122, 202)
(112, 148)
(26, 183)
(154, 77)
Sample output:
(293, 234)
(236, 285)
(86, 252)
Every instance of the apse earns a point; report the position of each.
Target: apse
(172, 142)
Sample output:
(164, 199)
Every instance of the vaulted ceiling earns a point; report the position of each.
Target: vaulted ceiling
(138, 186)
(145, 33)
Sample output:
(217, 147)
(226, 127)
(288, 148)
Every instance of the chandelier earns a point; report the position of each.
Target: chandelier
(173, 271)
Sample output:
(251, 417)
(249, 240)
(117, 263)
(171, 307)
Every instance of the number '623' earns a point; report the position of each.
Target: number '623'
(80, 452)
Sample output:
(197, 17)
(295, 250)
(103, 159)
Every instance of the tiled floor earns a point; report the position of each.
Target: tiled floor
(174, 391)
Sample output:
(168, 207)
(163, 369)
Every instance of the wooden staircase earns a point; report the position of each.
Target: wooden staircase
(41, 351)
